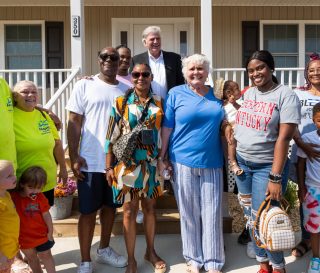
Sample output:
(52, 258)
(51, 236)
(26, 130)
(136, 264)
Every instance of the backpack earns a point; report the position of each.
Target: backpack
(272, 229)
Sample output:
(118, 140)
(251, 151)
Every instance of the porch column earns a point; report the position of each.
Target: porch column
(206, 29)
(77, 34)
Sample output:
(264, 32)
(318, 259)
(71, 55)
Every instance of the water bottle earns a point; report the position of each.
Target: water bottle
(166, 174)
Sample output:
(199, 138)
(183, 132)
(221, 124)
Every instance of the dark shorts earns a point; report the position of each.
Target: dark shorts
(50, 196)
(94, 192)
(46, 246)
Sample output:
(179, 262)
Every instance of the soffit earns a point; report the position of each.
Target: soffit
(18, 3)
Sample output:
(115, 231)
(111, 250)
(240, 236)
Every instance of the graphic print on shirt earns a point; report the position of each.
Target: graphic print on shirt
(44, 127)
(9, 104)
(32, 209)
(255, 114)
(309, 103)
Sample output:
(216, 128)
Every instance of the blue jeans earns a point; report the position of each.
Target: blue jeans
(252, 186)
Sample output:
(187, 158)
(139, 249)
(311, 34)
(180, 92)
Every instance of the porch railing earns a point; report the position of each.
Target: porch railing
(292, 77)
(54, 87)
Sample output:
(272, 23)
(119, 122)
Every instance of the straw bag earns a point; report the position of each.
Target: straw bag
(272, 229)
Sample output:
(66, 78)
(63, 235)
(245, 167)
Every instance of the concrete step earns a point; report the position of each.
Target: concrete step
(168, 222)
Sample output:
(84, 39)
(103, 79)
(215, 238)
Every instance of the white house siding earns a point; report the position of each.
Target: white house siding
(52, 13)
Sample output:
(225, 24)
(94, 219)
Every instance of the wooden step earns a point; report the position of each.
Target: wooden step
(168, 222)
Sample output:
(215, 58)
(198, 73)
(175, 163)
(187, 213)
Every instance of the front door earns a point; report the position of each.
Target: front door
(167, 38)
(177, 33)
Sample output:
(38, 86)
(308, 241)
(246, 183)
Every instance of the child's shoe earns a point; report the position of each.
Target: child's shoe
(314, 265)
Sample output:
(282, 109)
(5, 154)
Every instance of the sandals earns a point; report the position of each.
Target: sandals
(300, 249)
(235, 168)
(157, 269)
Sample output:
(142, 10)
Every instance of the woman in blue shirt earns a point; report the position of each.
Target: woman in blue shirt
(191, 131)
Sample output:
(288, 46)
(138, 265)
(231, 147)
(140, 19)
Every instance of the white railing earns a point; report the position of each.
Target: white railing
(58, 102)
(292, 77)
(54, 87)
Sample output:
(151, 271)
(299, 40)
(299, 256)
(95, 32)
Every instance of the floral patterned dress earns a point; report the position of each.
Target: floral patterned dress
(138, 178)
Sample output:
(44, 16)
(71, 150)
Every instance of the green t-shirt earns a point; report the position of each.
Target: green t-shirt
(35, 140)
(7, 144)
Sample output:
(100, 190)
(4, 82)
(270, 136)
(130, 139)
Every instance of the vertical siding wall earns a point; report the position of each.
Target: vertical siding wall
(227, 40)
(61, 14)
(98, 25)
(227, 32)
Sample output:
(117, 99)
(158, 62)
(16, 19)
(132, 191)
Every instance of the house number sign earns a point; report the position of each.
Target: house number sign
(75, 26)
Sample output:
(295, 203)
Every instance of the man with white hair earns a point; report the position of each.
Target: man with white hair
(166, 66)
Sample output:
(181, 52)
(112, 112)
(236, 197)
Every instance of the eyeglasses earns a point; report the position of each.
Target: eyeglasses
(136, 75)
(113, 57)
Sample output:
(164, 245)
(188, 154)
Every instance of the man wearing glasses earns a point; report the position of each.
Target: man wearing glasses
(89, 105)
(166, 66)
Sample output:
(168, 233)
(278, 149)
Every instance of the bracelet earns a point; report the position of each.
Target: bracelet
(108, 169)
(275, 181)
(160, 158)
(275, 177)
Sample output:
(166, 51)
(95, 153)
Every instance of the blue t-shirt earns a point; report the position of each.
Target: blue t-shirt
(195, 139)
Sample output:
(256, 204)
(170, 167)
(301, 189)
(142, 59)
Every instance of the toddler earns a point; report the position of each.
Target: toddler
(309, 191)
(229, 92)
(9, 219)
(36, 230)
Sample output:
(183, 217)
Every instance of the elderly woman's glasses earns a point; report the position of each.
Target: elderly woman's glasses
(104, 57)
(136, 75)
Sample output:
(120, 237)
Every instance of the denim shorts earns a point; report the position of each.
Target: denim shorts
(94, 192)
(46, 246)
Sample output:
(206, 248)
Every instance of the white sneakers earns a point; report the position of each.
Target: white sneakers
(314, 265)
(250, 250)
(104, 256)
(109, 256)
(85, 267)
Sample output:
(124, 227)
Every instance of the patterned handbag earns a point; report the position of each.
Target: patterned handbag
(125, 145)
(272, 229)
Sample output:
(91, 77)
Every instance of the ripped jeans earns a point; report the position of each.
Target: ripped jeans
(252, 186)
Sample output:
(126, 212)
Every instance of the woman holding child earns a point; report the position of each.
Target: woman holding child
(308, 95)
(265, 124)
(191, 141)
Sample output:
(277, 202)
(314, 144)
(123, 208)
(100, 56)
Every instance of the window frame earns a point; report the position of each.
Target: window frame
(301, 34)
(3, 23)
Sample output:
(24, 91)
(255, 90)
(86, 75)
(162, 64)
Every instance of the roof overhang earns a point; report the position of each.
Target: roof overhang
(229, 3)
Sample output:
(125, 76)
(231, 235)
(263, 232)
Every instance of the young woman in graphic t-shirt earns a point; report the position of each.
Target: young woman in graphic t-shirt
(265, 124)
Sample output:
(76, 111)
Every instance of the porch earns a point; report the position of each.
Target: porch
(55, 85)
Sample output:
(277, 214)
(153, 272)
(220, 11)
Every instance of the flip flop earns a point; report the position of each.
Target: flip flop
(300, 249)
(154, 266)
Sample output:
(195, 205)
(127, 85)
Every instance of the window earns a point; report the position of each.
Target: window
(312, 40)
(183, 44)
(23, 46)
(282, 42)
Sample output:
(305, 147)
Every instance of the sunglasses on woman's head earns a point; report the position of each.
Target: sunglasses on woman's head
(104, 57)
(136, 75)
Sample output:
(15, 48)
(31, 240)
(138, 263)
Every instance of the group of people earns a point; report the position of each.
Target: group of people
(30, 152)
(180, 121)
